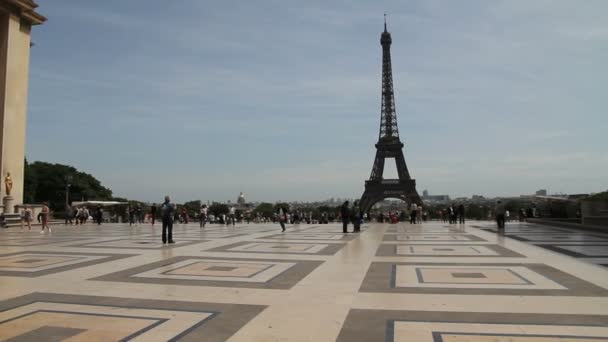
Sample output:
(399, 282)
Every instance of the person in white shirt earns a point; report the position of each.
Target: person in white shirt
(203, 215)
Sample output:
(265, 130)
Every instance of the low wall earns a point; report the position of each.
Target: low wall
(571, 225)
(595, 212)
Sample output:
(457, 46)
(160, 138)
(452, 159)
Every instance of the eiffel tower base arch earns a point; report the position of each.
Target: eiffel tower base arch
(376, 191)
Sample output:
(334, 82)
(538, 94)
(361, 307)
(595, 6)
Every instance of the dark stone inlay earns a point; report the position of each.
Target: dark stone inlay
(47, 334)
(501, 252)
(426, 237)
(225, 319)
(438, 336)
(221, 268)
(329, 249)
(108, 257)
(380, 278)
(363, 325)
(468, 275)
(285, 280)
(28, 261)
(157, 244)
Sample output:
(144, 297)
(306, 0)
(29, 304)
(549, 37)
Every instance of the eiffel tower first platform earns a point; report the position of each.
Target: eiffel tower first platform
(389, 145)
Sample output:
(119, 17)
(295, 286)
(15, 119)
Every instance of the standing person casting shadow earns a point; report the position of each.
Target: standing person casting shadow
(356, 217)
(345, 214)
(500, 216)
(167, 210)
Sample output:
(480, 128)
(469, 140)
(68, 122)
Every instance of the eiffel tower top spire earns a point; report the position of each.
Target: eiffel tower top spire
(385, 22)
(388, 116)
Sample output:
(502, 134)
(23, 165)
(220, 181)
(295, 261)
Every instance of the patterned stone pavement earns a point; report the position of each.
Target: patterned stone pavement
(431, 282)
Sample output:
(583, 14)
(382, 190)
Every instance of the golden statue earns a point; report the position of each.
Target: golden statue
(8, 182)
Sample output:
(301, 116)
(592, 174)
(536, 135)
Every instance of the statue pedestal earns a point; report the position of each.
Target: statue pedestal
(8, 204)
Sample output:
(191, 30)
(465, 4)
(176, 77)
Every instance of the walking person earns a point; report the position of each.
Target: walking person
(461, 213)
(203, 215)
(68, 214)
(153, 213)
(131, 213)
(231, 216)
(99, 215)
(282, 216)
(85, 215)
(345, 214)
(185, 216)
(500, 216)
(413, 213)
(44, 217)
(167, 210)
(356, 217)
(26, 217)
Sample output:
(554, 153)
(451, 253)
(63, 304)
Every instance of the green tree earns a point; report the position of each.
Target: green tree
(285, 207)
(30, 182)
(46, 182)
(193, 207)
(264, 209)
(219, 209)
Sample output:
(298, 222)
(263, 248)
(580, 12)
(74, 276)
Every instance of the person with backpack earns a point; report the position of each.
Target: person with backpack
(167, 210)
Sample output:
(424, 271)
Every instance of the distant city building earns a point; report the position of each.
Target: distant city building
(541, 192)
(434, 198)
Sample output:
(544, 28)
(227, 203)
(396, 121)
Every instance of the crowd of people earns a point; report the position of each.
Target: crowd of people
(169, 214)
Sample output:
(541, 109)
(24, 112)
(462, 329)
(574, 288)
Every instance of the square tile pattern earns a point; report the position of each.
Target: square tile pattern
(34, 264)
(86, 318)
(444, 250)
(280, 248)
(147, 243)
(207, 271)
(432, 237)
(478, 278)
(421, 326)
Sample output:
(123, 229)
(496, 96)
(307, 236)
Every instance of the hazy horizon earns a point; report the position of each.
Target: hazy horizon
(281, 100)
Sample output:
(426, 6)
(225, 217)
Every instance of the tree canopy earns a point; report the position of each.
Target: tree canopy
(46, 182)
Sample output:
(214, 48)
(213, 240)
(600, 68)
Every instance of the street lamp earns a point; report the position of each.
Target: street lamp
(68, 179)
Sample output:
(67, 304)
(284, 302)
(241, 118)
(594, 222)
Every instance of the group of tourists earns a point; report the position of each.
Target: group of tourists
(27, 216)
(348, 215)
(453, 214)
(81, 215)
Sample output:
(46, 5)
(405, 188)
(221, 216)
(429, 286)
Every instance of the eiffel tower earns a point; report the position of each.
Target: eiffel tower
(389, 145)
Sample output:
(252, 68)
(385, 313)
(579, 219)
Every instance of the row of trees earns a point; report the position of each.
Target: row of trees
(46, 182)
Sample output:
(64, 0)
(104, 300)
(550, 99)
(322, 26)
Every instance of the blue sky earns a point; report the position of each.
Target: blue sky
(281, 99)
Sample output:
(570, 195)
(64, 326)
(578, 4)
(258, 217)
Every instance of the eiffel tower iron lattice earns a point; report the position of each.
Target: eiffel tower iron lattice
(389, 144)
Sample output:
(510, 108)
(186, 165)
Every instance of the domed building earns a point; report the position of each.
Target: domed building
(241, 200)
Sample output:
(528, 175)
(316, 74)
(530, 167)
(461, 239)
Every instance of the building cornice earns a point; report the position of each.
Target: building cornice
(25, 9)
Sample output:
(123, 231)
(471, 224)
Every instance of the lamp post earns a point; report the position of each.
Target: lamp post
(68, 179)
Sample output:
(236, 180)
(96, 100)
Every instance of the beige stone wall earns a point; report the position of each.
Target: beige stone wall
(14, 62)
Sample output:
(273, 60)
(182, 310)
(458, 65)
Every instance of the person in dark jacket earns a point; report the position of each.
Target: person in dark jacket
(356, 217)
(461, 213)
(167, 210)
(345, 214)
(153, 213)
